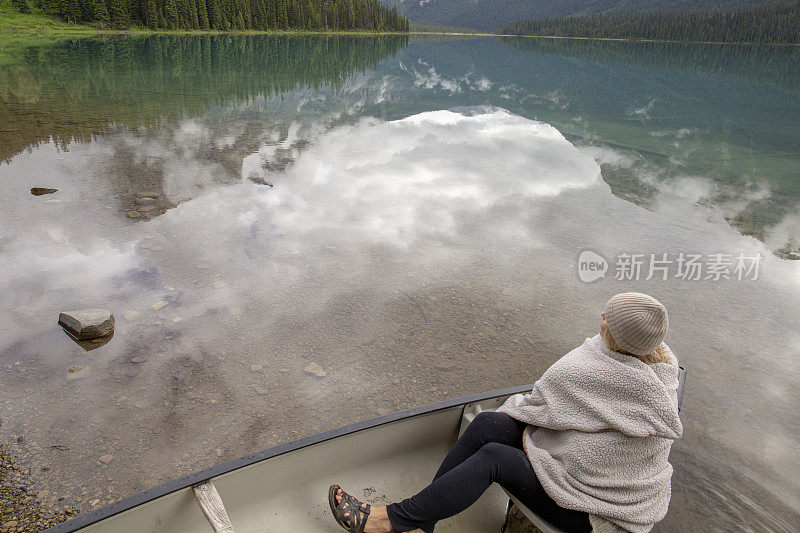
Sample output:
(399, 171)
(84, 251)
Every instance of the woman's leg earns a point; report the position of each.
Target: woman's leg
(486, 427)
(461, 486)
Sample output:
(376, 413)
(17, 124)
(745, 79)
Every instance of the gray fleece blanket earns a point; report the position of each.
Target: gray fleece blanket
(601, 425)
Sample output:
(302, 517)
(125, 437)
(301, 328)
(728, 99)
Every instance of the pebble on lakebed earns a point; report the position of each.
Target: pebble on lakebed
(147, 194)
(87, 324)
(38, 191)
(77, 372)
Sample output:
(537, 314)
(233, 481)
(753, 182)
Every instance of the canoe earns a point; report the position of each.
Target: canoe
(284, 488)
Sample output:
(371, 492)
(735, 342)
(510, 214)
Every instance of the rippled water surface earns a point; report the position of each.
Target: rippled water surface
(296, 233)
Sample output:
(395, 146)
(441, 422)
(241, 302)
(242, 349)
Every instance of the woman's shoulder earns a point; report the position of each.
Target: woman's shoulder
(673, 359)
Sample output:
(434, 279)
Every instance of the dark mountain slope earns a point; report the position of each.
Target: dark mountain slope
(776, 23)
(492, 14)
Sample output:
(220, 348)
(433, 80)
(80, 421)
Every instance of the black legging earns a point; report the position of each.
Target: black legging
(490, 450)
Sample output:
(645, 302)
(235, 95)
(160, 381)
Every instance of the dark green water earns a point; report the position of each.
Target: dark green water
(412, 211)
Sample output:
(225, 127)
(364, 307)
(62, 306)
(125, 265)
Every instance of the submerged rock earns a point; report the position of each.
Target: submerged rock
(445, 366)
(315, 369)
(788, 252)
(38, 191)
(259, 180)
(87, 324)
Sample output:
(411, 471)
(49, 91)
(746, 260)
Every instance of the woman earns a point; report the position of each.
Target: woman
(587, 449)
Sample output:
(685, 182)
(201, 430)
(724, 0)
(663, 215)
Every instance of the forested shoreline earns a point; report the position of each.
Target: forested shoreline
(775, 23)
(226, 15)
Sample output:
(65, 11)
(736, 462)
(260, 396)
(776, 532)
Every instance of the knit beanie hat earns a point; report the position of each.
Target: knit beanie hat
(637, 322)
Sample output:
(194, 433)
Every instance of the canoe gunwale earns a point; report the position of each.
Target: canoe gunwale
(195, 478)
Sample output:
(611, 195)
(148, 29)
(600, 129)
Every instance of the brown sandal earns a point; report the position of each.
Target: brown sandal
(350, 513)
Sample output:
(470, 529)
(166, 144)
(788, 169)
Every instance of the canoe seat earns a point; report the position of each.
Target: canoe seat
(543, 525)
(471, 410)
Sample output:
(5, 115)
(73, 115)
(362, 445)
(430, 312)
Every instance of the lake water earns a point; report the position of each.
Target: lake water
(408, 216)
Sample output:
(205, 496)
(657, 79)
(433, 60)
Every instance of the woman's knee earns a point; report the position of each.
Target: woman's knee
(493, 450)
(505, 463)
(490, 419)
(492, 456)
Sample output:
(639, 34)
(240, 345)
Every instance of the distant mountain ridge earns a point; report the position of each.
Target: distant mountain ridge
(490, 15)
(774, 23)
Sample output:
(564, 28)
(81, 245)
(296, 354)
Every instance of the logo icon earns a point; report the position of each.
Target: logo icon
(591, 266)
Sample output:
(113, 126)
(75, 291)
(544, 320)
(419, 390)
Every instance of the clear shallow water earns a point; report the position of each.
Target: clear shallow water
(414, 253)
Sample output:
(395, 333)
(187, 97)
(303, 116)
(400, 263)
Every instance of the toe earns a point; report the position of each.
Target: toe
(346, 518)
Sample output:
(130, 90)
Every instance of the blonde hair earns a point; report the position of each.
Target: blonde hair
(659, 355)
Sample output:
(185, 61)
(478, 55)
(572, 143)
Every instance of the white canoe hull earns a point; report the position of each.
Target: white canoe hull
(393, 457)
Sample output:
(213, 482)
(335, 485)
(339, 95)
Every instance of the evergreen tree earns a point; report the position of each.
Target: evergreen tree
(150, 13)
(194, 19)
(283, 17)
(351, 16)
(21, 5)
(202, 14)
(119, 14)
(71, 10)
(272, 14)
(214, 14)
(247, 16)
(312, 16)
(294, 14)
(258, 12)
(100, 11)
(170, 15)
